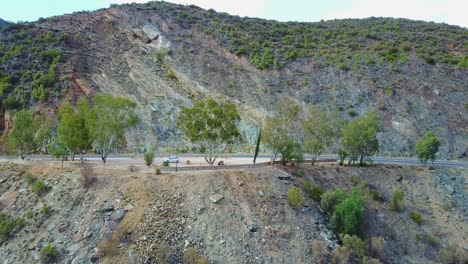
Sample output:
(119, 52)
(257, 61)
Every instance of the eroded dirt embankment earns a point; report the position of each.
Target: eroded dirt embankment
(119, 216)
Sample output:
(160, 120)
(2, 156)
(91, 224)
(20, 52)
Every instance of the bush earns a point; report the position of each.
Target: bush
(352, 113)
(149, 156)
(397, 202)
(299, 173)
(191, 256)
(39, 187)
(340, 255)
(9, 226)
(319, 251)
(46, 209)
(348, 216)
(417, 217)
(295, 197)
(165, 163)
(377, 245)
(87, 177)
(314, 192)
(355, 245)
(132, 168)
(427, 148)
(49, 254)
(330, 199)
(31, 179)
(431, 240)
(163, 253)
(157, 170)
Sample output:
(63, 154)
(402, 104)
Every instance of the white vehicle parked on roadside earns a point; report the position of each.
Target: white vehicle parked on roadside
(172, 159)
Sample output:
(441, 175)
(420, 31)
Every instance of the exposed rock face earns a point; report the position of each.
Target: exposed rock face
(164, 64)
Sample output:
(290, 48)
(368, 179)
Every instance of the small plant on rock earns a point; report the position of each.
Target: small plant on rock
(49, 254)
(157, 170)
(314, 192)
(149, 156)
(191, 256)
(397, 202)
(295, 197)
(39, 187)
(417, 217)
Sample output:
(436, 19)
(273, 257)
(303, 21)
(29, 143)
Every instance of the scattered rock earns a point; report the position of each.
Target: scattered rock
(216, 198)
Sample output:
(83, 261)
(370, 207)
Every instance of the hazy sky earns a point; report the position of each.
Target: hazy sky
(448, 11)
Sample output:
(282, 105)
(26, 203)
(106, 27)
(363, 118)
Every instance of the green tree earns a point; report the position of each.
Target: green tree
(21, 138)
(45, 126)
(108, 120)
(291, 151)
(59, 150)
(211, 125)
(427, 147)
(359, 137)
(149, 156)
(318, 132)
(278, 131)
(72, 130)
(348, 215)
(257, 147)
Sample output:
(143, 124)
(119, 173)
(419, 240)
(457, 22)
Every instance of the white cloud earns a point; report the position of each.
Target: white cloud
(448, 11)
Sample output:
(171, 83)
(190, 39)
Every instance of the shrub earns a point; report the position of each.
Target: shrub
(299, 173)
(157, 170)
(427, 148)
(149, 156)
(450, 254)
(431, 240)
(340, 255)
(46, 209)
(9, 226)
(295, 197)
(132, 168)
(330, 199)
(49, 254)
(39, 187)
(355, 245)
(319, 251)
(314, 192)
(348, 215)
(367, 260)
(163, 253)
(352, 113)
(31, 179)
(29, 215)
(355, 180)
(87, 177)
(417, 217)
(397, 202)
(191, 256)
(165, 163)
(377, 245)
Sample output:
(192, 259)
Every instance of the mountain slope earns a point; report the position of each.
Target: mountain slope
(2, 22)
(165, 56)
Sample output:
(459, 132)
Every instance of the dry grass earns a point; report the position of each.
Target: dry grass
(340, 255)
(319, 252)
(87, 177)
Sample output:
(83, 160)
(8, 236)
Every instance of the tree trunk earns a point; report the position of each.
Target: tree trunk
(360, 160)
(62, 163)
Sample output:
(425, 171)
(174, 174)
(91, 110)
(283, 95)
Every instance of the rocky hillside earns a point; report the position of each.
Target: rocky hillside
(165, 56)
(2, 22)
(228, 216)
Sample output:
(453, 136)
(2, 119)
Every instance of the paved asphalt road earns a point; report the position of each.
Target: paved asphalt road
(380, 160)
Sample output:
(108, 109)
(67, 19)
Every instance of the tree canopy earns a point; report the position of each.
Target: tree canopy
(22, 136)
(210, 124)
(107, 120)
(318, 132)
(359, 137)
(71, 130)
(427, 148)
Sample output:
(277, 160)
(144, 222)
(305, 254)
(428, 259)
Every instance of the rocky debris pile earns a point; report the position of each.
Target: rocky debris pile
(452, 184)
(162, 229)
